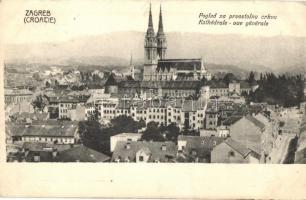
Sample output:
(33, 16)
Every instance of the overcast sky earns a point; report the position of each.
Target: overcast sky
(79, 17)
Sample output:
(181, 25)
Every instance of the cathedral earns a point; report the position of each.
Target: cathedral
(158, 68)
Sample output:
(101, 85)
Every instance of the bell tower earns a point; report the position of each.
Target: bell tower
(161, 38)
(150, 48)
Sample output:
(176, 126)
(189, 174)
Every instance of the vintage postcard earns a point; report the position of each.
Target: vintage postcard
(153, 99)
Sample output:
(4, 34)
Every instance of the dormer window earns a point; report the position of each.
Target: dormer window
(231, 154)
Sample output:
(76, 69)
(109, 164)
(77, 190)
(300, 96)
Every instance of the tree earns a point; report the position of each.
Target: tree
(172, 132)
(39, 103)
(251, 77)
(125, 123)
(152, 133)
(37, 77)
(229, 77)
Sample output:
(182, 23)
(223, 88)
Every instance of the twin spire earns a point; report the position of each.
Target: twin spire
(160, 23)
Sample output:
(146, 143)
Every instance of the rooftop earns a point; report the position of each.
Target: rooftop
(17, 92)
(81, 153)
(155, 150)
(202, 145)
(240, 148)
(48, 128)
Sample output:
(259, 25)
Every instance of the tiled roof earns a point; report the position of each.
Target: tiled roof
(183, 85)
(186, 105)
(32, 116)
(17, 92)
(155, 149)
(82, 154)
(231, 120)
(179, 64)
(256, 122)
(240, 148)
(68, 99)
(44, 129)
(202, 145)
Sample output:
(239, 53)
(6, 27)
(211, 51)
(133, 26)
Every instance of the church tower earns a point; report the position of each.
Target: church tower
(132, 68)
(150, 49)
(161, 38)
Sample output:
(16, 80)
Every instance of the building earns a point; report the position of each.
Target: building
(196, 148)
(123, 137)
(157, 67)
(15, 96)
(165, 89)
(52, 132)
(231, 151)
(142, 151)
(81, 153)
(211, 119)
(184, 113)
(248, 131)
(67, 106)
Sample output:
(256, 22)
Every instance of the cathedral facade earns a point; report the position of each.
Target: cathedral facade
(157, 67)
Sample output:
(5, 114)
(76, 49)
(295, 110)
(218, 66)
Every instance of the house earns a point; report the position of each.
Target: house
(231, 151)
(81, 153)
(142, 151)
(196, 148)
(52, 132)
(249, 131)
(123, 137)
(15, 95)
(61, 105)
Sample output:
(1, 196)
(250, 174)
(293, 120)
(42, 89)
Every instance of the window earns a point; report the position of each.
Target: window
(231, 154)
(140, 158)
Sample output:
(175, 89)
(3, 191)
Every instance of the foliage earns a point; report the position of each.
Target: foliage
(37, 77)
(95, 136)
(229, 77)
(251, 78)
(282, 90)
(39, 103)
(161, 133)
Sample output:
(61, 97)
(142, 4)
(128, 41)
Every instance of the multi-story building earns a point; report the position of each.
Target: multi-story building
(62, 106)
(15, 96)
(65, 132)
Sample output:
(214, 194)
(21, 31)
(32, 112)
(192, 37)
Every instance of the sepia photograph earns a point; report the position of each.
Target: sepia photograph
(156, 96)
(173, 82)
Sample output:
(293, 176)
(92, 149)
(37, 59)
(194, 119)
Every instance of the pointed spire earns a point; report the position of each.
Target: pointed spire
(131, 60)
(150, 18)
(160, 23)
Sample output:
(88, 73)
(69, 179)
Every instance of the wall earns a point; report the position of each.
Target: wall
(220, 154)
(246, 132)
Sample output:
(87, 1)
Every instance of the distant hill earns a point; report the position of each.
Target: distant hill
(277, 54)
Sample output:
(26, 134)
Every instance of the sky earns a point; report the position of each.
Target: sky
(82, 18)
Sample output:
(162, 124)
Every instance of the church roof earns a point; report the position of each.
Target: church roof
(179, 64)
(179, 85)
